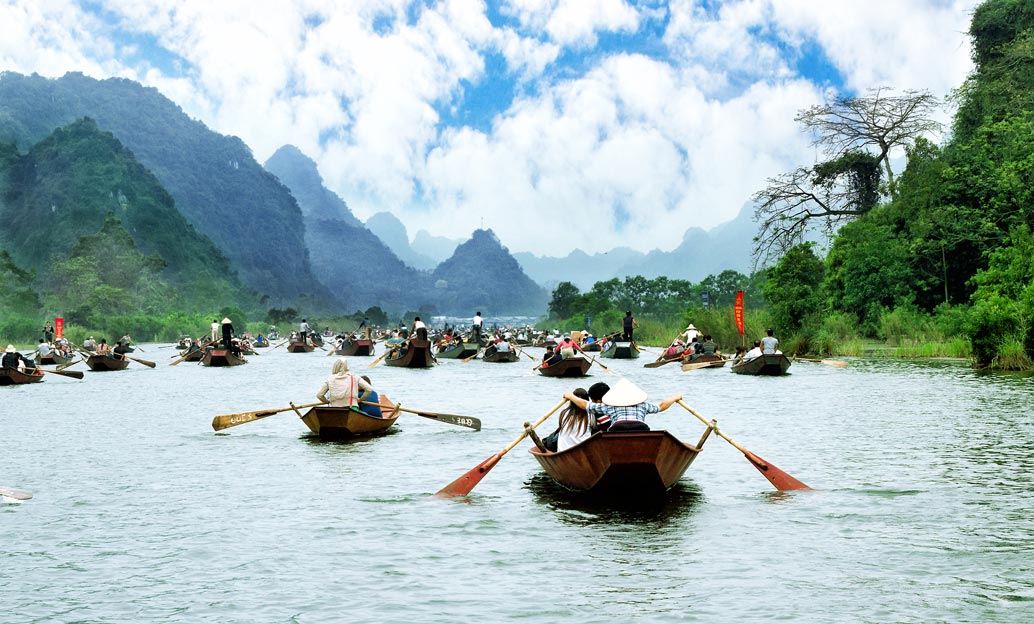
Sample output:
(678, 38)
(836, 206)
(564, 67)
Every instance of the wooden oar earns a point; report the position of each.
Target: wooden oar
(661, 362)
(146, 363)
(280, 345)
(378, 360)
(225, 421)
(452, 419)
(695, 365)
(781, 480)
(467, 359)
(523, 352)
(15, 493)
(837, 363)
(601, 364)
(463, 485)
(72, 374)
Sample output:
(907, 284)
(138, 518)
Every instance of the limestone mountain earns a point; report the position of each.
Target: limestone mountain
(437, 248)
(216, 183)
(393, 232)
(353, 262)
(482, 275)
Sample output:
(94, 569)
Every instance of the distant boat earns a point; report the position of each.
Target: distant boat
(221, 357)
(13, 376)
(415, 353)
(299, 347)
(104, 362)
(620, 350)
(576, 366)
(359, 347)
(767, 364)
(54, 358)
(458, 350)
(492, 355)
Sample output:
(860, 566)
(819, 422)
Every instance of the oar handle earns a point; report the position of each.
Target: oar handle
(714, 426)
(524, 433)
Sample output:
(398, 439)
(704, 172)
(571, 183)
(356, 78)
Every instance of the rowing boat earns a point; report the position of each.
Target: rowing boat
(626, 462)
(714, 359)
(54, 358)
(576, 366)
(621, 350)
(299, 347)
(193, 356)
(221, 357)
(104, 362)
(13, 376)
(767, 364)
(416, 353)
(458, 351)
(359, 347)
(341, 423)
(492, 355)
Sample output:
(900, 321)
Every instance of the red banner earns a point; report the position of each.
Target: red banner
(59, 328)
(738, 311)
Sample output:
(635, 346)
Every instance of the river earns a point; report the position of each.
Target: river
(923, 477)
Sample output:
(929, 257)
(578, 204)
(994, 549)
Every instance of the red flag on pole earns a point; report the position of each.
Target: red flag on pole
(738, 311)
(59, 327)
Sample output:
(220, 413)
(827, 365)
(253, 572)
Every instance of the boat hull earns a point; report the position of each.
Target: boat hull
(417, 355)
(13, 377)
(500, 356)
(343, 423)
(458, 351)
(571, 367)
(769, 364)
(54, 359)
(104, 363)
(299, 347)
(627, 462)
(356, 347)
(221, 357)
(621, 351)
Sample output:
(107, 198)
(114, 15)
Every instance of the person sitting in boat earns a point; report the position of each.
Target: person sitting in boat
(753, 353)
(260, 339)
(13, 359)
(103, 348)
(567, 347)
(342, 388)
(570, 428)
(625, 405)
(43, 349)
(119, 351)
(502, 344)
(370, 401)
(235, 347)
(708, 347)
(675, 349)
(770, 344)
(90, 344)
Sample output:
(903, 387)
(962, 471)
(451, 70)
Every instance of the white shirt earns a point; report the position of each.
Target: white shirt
(502, 346)
(477, 321)
(419, 325)
(44, 348)
(753, 353)
(770, 344)
(570, 436)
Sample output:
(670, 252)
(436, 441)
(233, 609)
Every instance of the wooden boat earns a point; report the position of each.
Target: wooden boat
(664, 359)
(54, 358)
(299, 347)
(316, 339)
(193, 356)
(360, 347)
(768, 364)
(702, 358)
(576, 366)
(491, 355)
(621, 350)
(458, 351)
(592, 347)
(101, 363)
(415, 354)
(341, 423)
(13, 376)
(221, 357)
(625, 462)
(260, 345)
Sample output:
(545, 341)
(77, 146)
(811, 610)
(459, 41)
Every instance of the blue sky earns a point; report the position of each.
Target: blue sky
(636, 120)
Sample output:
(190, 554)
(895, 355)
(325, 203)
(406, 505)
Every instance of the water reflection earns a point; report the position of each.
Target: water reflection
(584, 509)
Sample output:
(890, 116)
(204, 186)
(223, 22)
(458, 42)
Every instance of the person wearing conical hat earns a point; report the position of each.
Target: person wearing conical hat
(690, 333)
(625, 405)
(227, 332)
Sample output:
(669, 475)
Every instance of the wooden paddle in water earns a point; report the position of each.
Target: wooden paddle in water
(523, 352)
(378, 360)
(146, 363)
(452, 419)
(15, 493)
(781, 480)
(601, 365)
(225, 421)
(464, 484)
(467, 359)
(837, 363)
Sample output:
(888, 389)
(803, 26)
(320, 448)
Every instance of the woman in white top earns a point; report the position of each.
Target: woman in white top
(341, 389)
(576, 424)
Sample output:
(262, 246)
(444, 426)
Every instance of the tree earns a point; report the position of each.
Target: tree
(565, 295)
(857, 135)
(793, 289)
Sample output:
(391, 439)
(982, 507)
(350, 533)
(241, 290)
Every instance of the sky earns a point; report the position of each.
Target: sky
(556, 123)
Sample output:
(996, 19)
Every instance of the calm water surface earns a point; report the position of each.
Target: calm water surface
(922, 508)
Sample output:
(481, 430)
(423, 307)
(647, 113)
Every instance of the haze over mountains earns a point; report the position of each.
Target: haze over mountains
(273, 229)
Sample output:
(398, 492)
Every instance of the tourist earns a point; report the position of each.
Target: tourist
(708, 347)
(13, 359)
(303, 330)
(625, 405)
(43, 349)
(120, 350)
(770, 344)
(341, 389)
(90, 344)
(103, 348)
(370, 401)
(753, 353)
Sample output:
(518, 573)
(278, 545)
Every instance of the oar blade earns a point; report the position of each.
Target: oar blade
(72, 374)
(146, 363)
(453, 419)
(15, 493)
(781, 480)
(469, 480)
(837, 363)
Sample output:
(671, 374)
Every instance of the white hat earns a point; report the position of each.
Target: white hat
(227, 320)
(690, 326)
(623, 394)
(10, 349)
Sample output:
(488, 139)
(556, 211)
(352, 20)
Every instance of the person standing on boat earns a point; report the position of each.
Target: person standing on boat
(215, 329)
(475, 326)
(770, 344)
(418, 330)
(227, 332)
(627, 324)
(567, 347)
(304, 329)
(48, 332)
(342, 388)
(690, 334)
(625, 405)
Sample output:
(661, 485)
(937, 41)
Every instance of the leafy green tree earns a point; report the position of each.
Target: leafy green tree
(1004, 298)
(722, 288)
(564, 297)
(794, 287)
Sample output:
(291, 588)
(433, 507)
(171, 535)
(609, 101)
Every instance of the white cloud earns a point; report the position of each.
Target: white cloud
(633, 149)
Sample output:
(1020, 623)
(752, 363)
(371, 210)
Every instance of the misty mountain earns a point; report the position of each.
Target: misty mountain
(300, 175)
(216, 183)
(577, 267)
(437, 248)
(389, 229)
